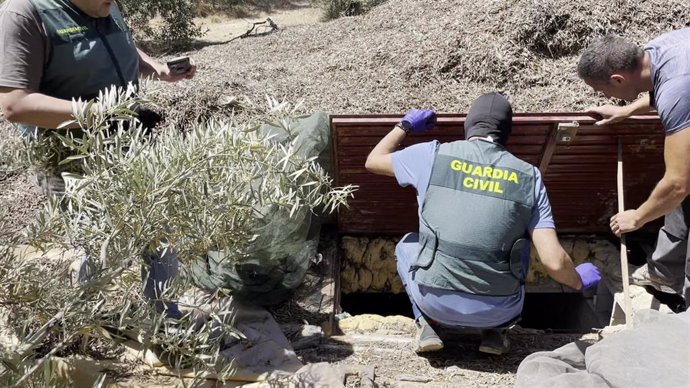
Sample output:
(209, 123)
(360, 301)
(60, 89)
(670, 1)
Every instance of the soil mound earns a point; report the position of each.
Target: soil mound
(412, 53)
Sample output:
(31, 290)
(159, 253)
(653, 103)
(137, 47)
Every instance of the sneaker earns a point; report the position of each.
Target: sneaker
(427, 340)
(643, 277)
(495, 341)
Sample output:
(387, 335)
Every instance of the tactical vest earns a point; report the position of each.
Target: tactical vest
(87, 54)
(478, 204)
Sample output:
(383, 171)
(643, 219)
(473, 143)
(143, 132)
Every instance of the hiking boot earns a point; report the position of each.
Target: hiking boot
(495, 341)
(427, 340)
(643, 277)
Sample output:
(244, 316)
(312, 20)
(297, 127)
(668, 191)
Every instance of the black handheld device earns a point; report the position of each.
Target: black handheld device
(179, 65)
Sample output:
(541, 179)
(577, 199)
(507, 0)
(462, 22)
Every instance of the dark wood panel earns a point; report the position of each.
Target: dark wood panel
(370, 140)
(580, 175)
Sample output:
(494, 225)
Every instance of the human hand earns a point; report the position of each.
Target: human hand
(624, 222)
(609, 113)
(164, 73)
(589, 275)
(419, 120)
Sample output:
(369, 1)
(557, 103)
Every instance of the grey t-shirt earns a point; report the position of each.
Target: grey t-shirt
(23, 45)
(669, 56)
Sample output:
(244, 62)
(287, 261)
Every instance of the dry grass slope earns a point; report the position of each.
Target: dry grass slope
(412, 53)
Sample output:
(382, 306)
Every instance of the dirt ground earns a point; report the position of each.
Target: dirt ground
(20, 198)
(460, 364)
(222, 28)
(259, 66)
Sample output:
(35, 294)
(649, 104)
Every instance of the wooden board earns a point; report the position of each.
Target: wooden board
(580, 175)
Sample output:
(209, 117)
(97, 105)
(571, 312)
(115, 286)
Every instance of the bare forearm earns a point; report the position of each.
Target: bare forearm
(675, 185)
(640, 106)
(666, 196)
(379, 159)
(390, 142)
(37, 109)
(559, 266)
(562, 270)
(148, 66)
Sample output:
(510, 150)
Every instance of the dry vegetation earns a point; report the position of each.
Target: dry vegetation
(411, 53)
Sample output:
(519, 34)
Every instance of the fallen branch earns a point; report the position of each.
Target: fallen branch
(268, 22)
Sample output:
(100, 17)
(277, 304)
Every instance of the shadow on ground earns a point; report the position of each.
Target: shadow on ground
(200, 43)
(462, 351)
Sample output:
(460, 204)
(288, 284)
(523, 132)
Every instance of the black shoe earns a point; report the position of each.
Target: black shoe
(495, 341)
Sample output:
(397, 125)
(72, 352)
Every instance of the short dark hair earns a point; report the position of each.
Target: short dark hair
(609, 55)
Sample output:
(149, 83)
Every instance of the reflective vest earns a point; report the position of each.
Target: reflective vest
(477, 206)
(87, 54)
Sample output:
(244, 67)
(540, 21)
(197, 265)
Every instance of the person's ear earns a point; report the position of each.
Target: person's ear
(617, 79)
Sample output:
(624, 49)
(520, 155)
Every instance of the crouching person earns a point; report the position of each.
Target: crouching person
(478, 204)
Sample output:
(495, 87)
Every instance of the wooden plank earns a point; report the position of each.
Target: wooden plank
(624, 249)
(547, 152)
(518, 118)
(579, 177)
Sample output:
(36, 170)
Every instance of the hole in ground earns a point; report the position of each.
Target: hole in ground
(559, 312)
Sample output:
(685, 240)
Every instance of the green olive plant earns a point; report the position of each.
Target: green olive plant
(129, 193)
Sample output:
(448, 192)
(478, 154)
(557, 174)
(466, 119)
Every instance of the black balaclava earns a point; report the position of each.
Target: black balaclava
(490, 115)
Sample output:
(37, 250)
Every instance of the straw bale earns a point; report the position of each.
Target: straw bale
(365, 277)
(397, 286)
(580, 251)
(375, 256)
(354, 248)
(379, 281)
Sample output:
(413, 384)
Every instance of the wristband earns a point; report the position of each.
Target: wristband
(405, 126)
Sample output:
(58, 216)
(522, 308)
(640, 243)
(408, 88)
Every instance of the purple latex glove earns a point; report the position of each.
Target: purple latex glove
(589, 274)
(419, 120)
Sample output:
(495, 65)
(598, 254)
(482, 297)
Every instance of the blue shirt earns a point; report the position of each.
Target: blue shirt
(669, 58)
(412, 167)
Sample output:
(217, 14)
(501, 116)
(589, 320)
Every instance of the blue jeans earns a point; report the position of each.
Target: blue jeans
(405, 252)
(451, 308)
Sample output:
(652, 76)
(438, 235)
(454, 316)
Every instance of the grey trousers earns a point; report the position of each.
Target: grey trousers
(671, 257)
(158, 271)
(51, 184)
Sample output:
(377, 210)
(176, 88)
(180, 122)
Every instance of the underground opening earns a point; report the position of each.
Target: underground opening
(558, 312)
(369, 283)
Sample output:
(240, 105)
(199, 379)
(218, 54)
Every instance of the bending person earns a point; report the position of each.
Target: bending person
(478, 203)
(619, 68)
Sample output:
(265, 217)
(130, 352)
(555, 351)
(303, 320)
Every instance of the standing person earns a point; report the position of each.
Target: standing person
(478, 202)
(54, 51)
(619, 68)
